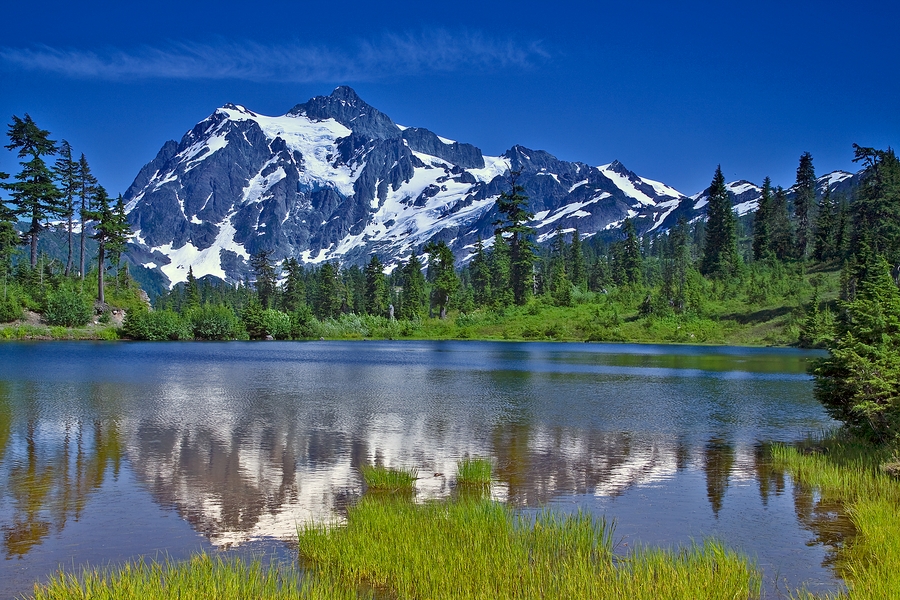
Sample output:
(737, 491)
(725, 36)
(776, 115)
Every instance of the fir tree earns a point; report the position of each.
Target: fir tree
(191, 291)
(628, 261)
(513, 206)
(264, 272)
(720, 256)
(376, 293)
(823, 238)
(576, 254)
(34, 194)
(87, 184)
(442, 274)
(66, 172)
(501, 293)
(804, 200)
(560, 286)
(110, 232)
(118, 244)
(781, 230)
(762, 223)
(294, 293)
(412, 298)
(481, 275)
(876, 211)
(331, 292)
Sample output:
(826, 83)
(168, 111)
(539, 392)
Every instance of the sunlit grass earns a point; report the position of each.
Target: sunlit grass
(482, 549)
(391, 480)
(474, 471)
(849, 471)
(202, 577)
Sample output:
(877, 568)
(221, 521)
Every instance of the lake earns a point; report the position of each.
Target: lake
(113, 451)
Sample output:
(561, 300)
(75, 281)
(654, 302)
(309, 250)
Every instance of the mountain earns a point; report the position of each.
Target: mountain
(336, 179)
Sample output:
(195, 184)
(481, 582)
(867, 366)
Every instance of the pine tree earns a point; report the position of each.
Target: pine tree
(823, 239)
(804, 200)
(720, 256)
(412, 299)
(110, 232)
(264, 272)
(294, 293)
(442, 274)
(501, 292)
(121, 231)
(781, 231)
(481, 275)
(560, 286)
(34, 194)
(87, 185)
(762, 223)
(191, 291)
(631, 263)
(9, 237)
(376, 294)
(876, 211)
(331, 296)
(513, 206)
(66, 173)
(576, 254)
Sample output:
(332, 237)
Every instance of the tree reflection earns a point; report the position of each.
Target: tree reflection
(50, 470)
(718, 460)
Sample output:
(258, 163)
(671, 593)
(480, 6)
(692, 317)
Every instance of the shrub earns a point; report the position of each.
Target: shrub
(67, 307)
(10, 307)
(276, 323)
(156, 326)
(214, 322)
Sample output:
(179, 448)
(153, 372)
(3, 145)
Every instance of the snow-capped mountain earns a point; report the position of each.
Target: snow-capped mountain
(336, 179)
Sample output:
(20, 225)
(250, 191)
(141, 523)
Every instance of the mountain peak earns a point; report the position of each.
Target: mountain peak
(346, 107)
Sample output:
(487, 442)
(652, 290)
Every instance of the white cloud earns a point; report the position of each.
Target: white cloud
(366, 60)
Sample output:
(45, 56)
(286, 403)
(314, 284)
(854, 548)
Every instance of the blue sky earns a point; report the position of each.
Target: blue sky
(670, 89)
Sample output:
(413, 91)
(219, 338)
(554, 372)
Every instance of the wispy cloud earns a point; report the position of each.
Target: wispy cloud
(366, 60)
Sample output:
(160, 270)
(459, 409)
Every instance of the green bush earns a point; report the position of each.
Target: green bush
(303, 324)
(276, 323)
(214, 322)
(68, 308)
(156, 326)
(10, 306)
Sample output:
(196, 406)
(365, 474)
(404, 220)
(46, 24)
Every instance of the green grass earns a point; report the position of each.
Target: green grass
(390, 480)
(849, 471)
(482, 549)
(25, 331)
(474, 471)
(202, 577)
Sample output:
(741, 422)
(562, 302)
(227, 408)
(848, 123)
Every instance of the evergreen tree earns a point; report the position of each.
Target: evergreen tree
(781, 231)
(859, 382)
(501, 292)
(762, 223)
(720, 256)
(331, 292)
(9, 237)
(66, 172)
(264, 272)
(823, 239)
(376, 294)
(579, 270)
(87, 184)
(560, 286)
(294, 293)
(804, 200)
(876, 211)
(110, 233)
(122, 229)
(34, 194)
(481, 275)
(191, 291)
(442, 274)
(412, 298)
(513, 206)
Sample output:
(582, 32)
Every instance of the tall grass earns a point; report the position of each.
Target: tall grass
(202, 577)
(848, 471)
(482, 549)
(474, 471)
(390, 480)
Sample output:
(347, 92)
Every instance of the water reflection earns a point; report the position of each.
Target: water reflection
(246, 441)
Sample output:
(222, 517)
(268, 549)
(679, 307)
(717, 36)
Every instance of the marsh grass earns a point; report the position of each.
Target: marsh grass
(482, 549)
(388, 480)
(474, 472)
(848, 471)
(201, 577)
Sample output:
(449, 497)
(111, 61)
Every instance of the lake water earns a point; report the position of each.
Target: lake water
(112, 451)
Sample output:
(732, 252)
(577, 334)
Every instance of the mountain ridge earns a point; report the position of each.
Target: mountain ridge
(336, 179)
